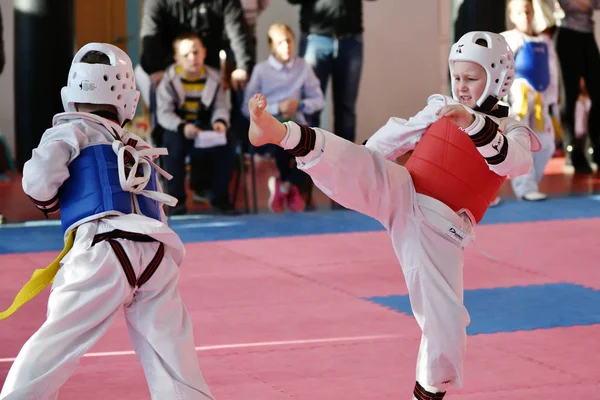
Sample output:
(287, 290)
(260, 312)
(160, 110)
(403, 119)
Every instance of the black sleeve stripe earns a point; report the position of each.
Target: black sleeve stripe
(47, 207)
(500, 157)
(486, 134)
(43, 204)
(52, 209)
(308, 138)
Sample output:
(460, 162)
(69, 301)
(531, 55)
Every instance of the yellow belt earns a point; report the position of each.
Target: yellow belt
(39, 280)
(537, 107)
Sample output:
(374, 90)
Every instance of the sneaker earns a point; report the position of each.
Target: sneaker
(295, 200)
(496, 201)
(179, 209)
(577, 162)
(201, 197)
(534, 196)
(276, 198)
(224, 208)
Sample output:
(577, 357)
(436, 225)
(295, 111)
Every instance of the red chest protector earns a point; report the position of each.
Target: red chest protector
(446, 165)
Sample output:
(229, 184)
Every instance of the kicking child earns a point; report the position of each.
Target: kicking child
(464, 148)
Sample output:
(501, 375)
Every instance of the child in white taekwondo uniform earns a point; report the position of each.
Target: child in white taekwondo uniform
(463, 150)
(103, 180)
(534, 93)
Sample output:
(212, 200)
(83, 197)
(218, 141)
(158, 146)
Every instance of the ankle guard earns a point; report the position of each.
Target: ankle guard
(307, 141)
(422, 394)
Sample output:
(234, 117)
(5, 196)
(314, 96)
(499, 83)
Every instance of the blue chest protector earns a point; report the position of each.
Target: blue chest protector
(532, 64)
(93, 189)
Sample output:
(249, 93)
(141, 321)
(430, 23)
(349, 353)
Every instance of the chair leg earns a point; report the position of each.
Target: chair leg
(253, 177)
(240, 172)
(309, 199)
(236, 184)
(244, 182)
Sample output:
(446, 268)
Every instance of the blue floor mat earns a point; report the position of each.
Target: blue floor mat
(46, 235)
(520, 308)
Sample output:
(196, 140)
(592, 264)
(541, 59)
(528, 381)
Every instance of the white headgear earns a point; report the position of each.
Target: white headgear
(496, 58)
(112, 84)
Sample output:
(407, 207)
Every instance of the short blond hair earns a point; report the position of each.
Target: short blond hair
(279, 25)
(510, 2)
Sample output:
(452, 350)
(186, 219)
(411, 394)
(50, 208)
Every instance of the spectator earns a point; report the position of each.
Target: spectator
(578, 55)
(2, 56)
(332, 44)
(582, 112)
(292, 89)
(534, 92)
(211, 20)
(191, 103)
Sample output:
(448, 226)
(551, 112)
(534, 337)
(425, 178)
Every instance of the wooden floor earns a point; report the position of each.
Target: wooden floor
(16, 206)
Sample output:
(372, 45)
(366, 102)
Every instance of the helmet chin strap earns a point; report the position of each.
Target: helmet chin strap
(107, 114)
(487, 105)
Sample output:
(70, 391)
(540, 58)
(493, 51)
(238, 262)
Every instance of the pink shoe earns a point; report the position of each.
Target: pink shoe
(295, 200)
(277, 198)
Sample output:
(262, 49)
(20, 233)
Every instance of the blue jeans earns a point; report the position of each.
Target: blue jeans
(342, 59)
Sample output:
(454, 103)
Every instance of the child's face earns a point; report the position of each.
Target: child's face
(190, 56)
(521, 14)
(282, 44)
(469, 82)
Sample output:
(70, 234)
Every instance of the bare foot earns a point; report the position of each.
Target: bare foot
(264, 128)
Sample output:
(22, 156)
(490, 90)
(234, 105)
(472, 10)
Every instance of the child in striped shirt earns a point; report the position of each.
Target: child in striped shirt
(191, 102)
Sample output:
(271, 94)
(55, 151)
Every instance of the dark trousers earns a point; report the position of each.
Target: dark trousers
(578, 56)
(218, 162)
(286, 165)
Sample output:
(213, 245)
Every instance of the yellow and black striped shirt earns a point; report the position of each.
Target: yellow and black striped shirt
(193, 93)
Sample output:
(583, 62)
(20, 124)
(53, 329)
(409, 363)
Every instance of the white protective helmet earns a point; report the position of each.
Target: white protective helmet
(497, 59)
(112, 84)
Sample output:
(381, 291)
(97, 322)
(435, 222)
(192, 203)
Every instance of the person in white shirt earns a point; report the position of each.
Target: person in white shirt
(534, 92)
(582, 112)
(579, 57)
(292, 89)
